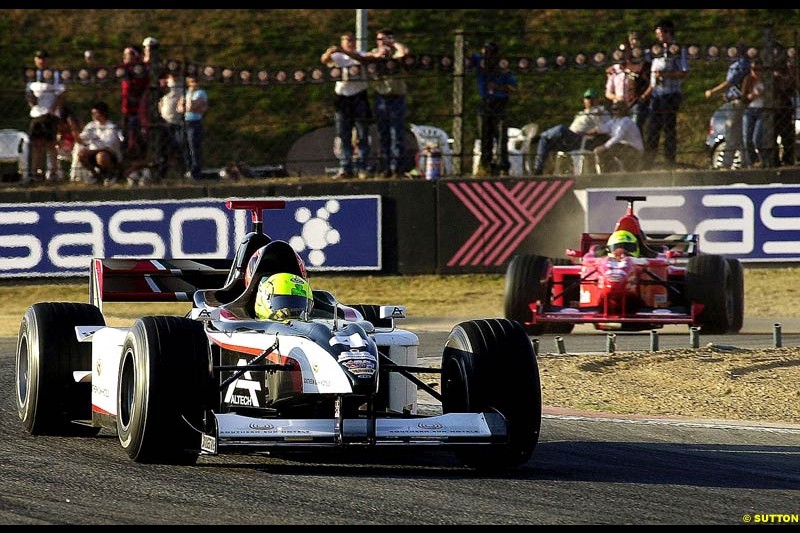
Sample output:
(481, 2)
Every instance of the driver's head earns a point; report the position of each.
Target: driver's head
(625, 241)
(283, 296)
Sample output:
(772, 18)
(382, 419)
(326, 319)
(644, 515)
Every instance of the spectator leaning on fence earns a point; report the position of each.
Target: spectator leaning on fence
(731, 89)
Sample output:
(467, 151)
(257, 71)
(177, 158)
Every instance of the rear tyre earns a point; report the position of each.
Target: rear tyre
(708, 283)
(48, 398)
(490, 365)
(527, 280)
(736, 292)
(164, 377)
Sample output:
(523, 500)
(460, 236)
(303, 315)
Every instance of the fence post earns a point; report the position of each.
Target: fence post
(458, 102)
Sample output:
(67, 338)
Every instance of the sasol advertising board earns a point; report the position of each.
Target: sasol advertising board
(51, 239)
(751, 223)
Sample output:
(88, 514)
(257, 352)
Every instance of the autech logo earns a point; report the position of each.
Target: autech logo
(262, 427)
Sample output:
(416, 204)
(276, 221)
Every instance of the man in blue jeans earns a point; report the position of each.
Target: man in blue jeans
(390, 102)
(193, 106)
(667, 72)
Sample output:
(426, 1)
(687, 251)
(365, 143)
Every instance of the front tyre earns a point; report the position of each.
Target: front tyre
(48, 398)
(736, 294)
(490, 365)
(708, 283)
(527, 280)
(164, 377)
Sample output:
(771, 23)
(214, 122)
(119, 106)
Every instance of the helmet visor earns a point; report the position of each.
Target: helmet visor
(629, 247)
(289, 306)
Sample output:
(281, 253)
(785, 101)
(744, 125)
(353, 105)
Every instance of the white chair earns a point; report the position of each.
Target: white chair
(427, 135)
(519, 145)
(578, 159)
(14, 148)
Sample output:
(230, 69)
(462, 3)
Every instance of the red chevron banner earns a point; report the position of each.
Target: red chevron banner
(506, 215)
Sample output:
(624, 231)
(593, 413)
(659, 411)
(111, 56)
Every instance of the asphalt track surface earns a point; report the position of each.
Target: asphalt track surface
(589, 468)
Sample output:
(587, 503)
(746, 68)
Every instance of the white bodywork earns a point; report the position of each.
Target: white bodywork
(321, 373)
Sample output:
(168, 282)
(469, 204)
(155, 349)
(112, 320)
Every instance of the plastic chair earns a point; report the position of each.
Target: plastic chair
(427, 135)
(578, 158)
(519, 145)
(14, 148)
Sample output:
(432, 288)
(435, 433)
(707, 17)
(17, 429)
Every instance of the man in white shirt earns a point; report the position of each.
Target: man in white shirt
(566, 139)
(624, 146)
(44, 95)
(351, 106)
(101, 146)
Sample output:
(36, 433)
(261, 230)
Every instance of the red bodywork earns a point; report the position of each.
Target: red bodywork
(620, 291)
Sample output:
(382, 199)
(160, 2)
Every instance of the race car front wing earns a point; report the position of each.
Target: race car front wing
(236, 433)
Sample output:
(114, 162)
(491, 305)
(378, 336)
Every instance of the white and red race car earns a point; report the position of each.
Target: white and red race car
(218, 380)
(670, 282)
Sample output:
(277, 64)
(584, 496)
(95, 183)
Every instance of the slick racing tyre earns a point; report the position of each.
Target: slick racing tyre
(708, 282)
(527, 280)
(164, 380)
(48, 398)
(490, 365)
(736, 293)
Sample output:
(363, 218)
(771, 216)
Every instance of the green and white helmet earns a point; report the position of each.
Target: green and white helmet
(624, 240)
(283, 296)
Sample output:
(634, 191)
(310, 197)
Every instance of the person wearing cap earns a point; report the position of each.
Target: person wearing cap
(624, 146)
(45, 95)
(669, 68)
(567, 138)
(495, 85)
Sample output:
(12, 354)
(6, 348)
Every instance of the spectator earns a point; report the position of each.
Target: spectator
(157, 135)
(753, 120)
(390, 102)
(563, 138)
(667, 72)
(193, 106)
(639, 66)
(731, 89)
(173, 146)
(69, 131)
(625, 145)
(785, 87)
(495, 85)
(135, 85)
(351, 106)
(101, 148)
(44, 96)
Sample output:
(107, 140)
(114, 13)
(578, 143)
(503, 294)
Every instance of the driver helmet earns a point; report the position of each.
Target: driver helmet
(283, 296)
(623, 240)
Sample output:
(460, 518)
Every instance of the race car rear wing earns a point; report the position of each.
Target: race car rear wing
(168, 280)
(153, 280)
(677, 244)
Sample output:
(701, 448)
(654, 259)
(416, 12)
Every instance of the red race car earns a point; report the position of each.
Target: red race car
(626, 281)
